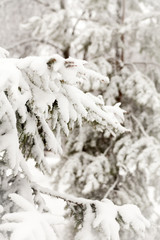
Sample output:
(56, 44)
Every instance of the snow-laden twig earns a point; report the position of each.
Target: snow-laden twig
(65, 197)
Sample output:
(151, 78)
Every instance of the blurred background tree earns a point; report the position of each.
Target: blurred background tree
(120, 39)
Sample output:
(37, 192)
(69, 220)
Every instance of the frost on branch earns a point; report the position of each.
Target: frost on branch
(39, 99)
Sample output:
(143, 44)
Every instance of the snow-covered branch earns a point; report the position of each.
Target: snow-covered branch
(39, 99)
(98, 216)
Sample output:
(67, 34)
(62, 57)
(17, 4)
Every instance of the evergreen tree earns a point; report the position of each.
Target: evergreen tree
(39, 101)
(118, 39)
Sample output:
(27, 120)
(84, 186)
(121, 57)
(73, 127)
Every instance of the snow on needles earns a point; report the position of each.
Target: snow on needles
(29, 223)
(100, 220)
(103, 216)
(39, 99)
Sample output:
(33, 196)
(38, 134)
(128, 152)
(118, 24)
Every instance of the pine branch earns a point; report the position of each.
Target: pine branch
(123, 36)
(65, 197)
(36, 187)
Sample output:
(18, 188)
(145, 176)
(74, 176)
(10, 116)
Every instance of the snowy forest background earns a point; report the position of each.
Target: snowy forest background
(80, 180)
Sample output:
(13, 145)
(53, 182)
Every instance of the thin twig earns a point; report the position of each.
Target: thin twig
(140, 125)
(62, 4)
(74, 27)
(65, 197)
(46, 5)
(25, 41)
(143, 63)
(112, 187)
(123, 10)
(107, 149)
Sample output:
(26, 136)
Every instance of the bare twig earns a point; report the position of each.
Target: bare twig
(108, 148)
(123, 10)
(123, 36)
(76, 23)
(112, 187)
(62, 4)
(139, 125)
(46, 5)
(25, 41)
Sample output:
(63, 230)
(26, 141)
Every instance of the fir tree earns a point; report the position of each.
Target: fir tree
(118, 39)
(39, 102)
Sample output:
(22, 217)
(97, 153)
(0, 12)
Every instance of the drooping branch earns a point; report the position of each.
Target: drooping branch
(36, 187)
(65, 197)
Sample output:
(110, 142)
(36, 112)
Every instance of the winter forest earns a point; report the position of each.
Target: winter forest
(79, 119)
